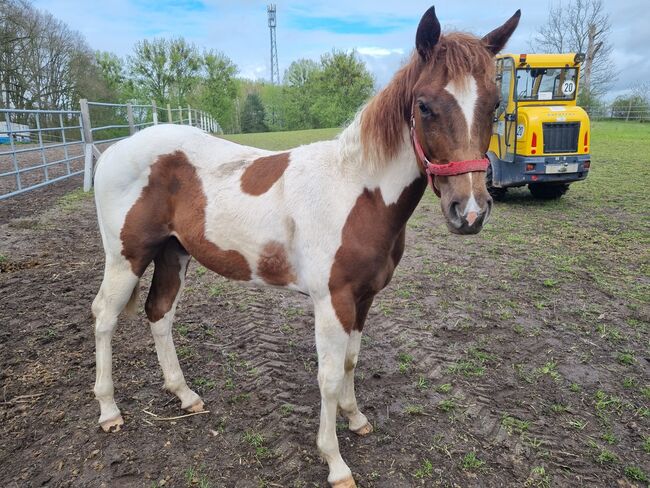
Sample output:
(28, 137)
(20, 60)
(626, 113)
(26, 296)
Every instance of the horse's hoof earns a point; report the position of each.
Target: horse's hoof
(365, 430)
(112, 425)
(346, 483)
(197, 406)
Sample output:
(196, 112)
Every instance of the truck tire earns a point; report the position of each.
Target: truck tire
(548, 191)
(497, 194)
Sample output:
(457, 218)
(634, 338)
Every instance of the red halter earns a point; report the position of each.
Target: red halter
(452, 168)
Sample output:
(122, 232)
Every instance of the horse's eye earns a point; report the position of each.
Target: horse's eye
(424, 109)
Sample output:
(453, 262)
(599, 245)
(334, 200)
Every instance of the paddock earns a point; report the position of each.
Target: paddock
(516, 357)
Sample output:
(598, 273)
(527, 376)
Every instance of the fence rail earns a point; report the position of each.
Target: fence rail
(40, 147)
(639, 113)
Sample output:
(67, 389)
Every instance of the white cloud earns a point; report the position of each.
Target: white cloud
(378, 52)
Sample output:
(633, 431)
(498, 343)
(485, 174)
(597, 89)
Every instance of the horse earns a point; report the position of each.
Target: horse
(327, 219)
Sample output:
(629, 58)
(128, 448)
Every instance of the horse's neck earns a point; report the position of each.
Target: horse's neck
(392, 175)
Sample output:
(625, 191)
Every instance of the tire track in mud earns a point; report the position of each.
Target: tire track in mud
(269, 350)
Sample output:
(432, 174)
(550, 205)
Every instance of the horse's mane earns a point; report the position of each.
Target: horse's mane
(382, 121)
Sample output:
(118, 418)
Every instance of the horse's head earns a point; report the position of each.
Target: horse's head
(454, 99)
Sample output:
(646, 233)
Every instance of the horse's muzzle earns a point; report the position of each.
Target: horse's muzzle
(467, 223)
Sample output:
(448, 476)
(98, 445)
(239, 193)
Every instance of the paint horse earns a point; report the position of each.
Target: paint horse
(327, 219)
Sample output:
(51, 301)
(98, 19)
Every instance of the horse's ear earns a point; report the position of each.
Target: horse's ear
(428, 33)
(497, 39)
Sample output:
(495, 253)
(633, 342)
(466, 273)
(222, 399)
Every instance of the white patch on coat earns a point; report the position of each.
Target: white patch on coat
(466, 94)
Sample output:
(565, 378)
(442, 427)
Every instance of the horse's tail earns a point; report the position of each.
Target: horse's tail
(131, 307)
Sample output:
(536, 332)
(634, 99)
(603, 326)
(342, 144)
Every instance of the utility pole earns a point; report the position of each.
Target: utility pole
(275, 71)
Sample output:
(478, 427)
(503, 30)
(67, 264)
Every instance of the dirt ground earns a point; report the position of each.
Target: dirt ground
(462, 391)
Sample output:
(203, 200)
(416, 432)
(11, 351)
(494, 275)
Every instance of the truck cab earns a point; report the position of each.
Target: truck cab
(540, 137)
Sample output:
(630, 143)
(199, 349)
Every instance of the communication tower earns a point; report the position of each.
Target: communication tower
(275, 71)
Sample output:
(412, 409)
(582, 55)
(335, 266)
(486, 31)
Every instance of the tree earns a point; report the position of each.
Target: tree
(43, 63)
(216, 91)
(341, 87)
(581, 26)
(165, 69)
(253, 115)
(298, 94)
(111, 70)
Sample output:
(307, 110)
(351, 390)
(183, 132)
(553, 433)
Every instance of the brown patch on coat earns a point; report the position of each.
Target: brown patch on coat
(166, 281)
(174, 202)
(273, 265)
(259, 177)
(371, 247)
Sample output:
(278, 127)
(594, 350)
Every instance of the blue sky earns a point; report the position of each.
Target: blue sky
(382, 32)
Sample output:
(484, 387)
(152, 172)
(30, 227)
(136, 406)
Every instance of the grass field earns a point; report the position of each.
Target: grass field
(279, 141)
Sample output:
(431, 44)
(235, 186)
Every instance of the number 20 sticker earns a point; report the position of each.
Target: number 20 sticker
(568, 87)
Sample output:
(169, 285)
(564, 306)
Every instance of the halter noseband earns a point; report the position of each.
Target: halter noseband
(452, 168)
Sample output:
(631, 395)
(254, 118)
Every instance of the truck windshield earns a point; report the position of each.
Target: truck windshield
(546, 83)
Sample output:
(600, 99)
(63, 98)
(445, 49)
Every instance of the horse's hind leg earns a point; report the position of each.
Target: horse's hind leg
(117, 287)
(168, 280)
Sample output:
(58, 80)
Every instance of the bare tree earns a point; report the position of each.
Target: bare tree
(581, 26)
(641, 90)
(43, 63)
(16, 30)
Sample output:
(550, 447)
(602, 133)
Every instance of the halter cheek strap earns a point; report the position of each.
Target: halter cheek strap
(450, 169)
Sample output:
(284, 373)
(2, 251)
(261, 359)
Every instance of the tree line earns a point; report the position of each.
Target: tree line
(46, 65)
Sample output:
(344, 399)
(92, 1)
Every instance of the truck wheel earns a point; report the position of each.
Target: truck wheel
(497, 194)
(548, 191)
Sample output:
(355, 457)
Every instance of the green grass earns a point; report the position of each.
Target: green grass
(514, 425)
(74, 199)
(424, 471)
(279, 141)
(635, 473)
(195, 478)
(600, 227)
(404, 361)
(471, 462)
(257, 441)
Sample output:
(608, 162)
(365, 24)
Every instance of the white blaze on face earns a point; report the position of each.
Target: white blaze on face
(472, 209)
(466, 94)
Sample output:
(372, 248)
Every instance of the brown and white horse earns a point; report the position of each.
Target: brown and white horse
(326, 219)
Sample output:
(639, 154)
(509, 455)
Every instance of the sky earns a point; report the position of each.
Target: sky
(382, 32)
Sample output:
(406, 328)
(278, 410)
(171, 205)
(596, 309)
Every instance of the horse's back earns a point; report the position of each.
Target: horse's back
(126, 160)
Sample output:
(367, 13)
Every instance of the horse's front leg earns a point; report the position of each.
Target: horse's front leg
(358, 422)
(331, 344)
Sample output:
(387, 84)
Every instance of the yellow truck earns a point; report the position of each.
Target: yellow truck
(540, 136)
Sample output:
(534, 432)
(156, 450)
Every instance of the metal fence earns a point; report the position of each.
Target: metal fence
(40, 147)
(638, 113)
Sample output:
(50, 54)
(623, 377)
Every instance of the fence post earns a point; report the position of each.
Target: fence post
(85, 121)
(180, 114)
(129, 117)
(154, 112)
(88, 144)
(169, 114)
(189, 114)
